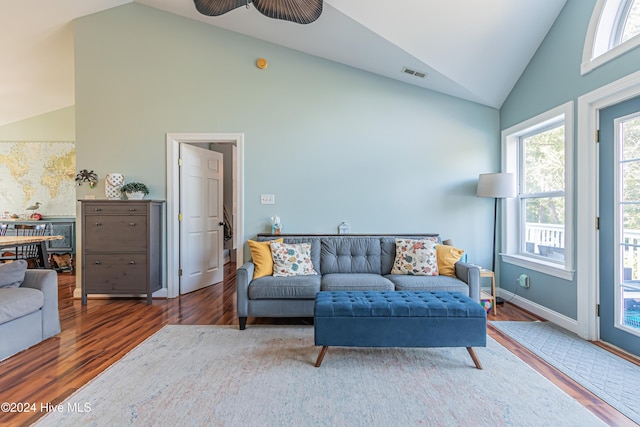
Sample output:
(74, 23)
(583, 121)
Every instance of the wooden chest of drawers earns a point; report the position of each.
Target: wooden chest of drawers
(121, 247)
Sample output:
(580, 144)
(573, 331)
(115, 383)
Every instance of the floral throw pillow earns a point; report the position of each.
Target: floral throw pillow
(291, 259)
(415, 257)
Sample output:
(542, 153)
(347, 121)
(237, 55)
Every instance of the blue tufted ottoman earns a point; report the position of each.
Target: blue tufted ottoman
(399, 319)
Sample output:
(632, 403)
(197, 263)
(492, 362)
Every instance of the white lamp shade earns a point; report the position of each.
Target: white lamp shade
(497, 185)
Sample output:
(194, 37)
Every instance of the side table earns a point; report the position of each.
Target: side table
(488, 273)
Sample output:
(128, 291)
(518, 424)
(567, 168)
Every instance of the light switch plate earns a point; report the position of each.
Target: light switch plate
(267, 199)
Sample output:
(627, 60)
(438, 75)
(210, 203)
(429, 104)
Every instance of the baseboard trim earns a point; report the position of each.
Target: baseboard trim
(160, 293)
(539, 310)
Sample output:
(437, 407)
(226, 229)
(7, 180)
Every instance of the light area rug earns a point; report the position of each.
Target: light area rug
(611, 378)
(265, 376)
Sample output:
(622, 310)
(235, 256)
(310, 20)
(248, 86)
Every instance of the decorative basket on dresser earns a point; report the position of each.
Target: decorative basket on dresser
(121, 247)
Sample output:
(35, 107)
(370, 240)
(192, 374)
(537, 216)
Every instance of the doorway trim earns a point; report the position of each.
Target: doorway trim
(173, 202)
(589, 106)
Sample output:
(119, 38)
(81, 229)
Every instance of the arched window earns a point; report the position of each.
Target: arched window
(629, 22)
(613, 30)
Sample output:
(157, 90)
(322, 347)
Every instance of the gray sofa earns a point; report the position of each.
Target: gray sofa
(343, 263)
(28, 307)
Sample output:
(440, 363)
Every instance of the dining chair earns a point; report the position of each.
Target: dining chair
(28, 252)
(3, 231)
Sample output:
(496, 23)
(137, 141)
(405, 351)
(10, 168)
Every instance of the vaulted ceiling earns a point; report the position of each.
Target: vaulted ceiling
(475, 50)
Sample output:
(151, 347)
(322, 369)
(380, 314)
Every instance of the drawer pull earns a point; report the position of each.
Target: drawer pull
(98, 224)
(132, 224)
(98, 209)
(132, 262)
(98, 262)
(132, 209)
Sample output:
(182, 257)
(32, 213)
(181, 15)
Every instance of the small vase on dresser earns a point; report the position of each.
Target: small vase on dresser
(113, 182)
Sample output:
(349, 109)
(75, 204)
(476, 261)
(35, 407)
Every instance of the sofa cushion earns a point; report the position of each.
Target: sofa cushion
(428, 283)
(350, 255)
(447, 258)
(262, 259)
(388, 250)
(12, 273)
(18, 302)
(415, 257)
(355, 282)
(293, 287)
(291, 259)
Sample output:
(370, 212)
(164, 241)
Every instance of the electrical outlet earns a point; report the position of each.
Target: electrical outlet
(523, 280)
(267, 199)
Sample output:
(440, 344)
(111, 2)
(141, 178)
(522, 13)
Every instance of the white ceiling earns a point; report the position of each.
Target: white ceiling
(475, 50)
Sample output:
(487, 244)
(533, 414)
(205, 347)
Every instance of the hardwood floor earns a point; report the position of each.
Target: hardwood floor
(97, 335)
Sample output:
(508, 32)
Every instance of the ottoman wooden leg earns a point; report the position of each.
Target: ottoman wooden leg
(474, 357)
(321, 355)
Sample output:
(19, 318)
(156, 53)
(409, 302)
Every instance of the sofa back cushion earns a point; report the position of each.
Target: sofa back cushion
(350, 254)
(12, 273)
(373, 254)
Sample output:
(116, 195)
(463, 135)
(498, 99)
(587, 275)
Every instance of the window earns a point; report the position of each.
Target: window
(538, 226)
(613, 30)
(541, 193)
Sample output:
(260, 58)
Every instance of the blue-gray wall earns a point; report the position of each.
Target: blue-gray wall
(331, 142)
(551, 79)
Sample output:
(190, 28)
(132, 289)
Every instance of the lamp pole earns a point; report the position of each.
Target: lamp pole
(496, 186)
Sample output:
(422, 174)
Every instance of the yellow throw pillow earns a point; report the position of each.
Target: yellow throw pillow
(447, 257)
(262, 259)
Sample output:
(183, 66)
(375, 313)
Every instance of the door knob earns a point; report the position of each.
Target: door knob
(221, 223)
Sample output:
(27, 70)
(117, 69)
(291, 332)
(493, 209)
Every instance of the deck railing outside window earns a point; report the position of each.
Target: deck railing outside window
(547, 240)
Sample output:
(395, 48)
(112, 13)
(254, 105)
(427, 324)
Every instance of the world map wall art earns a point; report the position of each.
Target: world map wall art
(42, 172)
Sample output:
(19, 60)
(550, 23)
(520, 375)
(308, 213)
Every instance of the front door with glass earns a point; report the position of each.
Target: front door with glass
(619, 211)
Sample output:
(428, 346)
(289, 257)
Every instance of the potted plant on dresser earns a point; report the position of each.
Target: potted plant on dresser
(135, 190)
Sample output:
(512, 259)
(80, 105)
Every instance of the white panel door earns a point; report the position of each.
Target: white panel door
(202, 226)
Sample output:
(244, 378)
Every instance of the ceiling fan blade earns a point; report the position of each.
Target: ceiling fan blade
(299, 11)
(218, 7)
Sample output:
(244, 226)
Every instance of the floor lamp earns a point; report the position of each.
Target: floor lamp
(496, 186)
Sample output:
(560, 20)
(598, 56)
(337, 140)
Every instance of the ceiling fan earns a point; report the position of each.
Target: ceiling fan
(299, 11)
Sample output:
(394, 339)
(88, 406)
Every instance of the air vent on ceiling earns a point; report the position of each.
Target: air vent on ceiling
(420, 74)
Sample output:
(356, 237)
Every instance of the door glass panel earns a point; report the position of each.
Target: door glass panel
(631, 181)
(630, 267)
(629, 209)
(631, 308)
(631, 242)
(631, 147)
